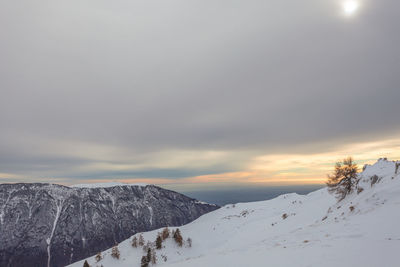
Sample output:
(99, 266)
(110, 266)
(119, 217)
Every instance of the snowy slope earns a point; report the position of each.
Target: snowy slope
(317, 232)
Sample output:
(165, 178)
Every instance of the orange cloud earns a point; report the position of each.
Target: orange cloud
(302, 168)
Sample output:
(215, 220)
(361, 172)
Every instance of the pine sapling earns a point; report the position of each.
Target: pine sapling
(159, 241)
(115, 252)
(165, 233)
(134, 242)
(144, 262)
(141, 240)
(98, 257)
(178, 237)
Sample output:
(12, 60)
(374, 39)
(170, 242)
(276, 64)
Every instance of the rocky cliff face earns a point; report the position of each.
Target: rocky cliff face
(54, 225)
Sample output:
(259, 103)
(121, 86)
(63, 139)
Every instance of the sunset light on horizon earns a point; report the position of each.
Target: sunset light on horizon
(262, 170)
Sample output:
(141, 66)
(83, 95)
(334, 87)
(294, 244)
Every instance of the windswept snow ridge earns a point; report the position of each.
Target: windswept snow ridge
(290, 230)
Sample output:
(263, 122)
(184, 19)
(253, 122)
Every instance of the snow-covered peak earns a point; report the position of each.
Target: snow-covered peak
(105, 185)
(382, 167)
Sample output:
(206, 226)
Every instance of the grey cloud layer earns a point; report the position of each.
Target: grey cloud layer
(153, 76)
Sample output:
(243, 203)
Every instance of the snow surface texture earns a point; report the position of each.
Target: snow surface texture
(361, 230)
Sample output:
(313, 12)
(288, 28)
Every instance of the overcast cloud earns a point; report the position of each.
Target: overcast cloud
(173, 89)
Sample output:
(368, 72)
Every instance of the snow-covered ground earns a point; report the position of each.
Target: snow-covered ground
(362, 230)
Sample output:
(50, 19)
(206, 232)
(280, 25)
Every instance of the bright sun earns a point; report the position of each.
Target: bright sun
(350, 7)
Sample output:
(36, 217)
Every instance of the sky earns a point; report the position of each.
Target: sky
(196, 94)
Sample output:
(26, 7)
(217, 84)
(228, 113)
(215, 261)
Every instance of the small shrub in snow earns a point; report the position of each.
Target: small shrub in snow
(374, 179)
(115, 252)
(147, 246)
(134, 242)
(284, 216)
(244, 213)
(153, 257)
(86, 264)
(178, 237)
(150, 257)
(164, 257)
(98, 257)
(144, 262)
(149, 253)
(165, 233)
(159, 242)
(141, 240)
(189, 242)
(344, 178)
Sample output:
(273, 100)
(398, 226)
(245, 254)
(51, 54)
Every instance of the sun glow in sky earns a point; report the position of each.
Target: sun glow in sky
(350, 7)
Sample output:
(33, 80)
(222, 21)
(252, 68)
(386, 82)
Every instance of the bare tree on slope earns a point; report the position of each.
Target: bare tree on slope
(343, 179)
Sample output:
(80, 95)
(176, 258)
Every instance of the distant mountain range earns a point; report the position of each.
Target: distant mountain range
(53, 225)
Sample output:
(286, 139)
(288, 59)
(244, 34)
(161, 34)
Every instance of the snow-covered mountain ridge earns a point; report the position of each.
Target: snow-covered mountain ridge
(55, 225)
(290, 230)
(106, 185)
